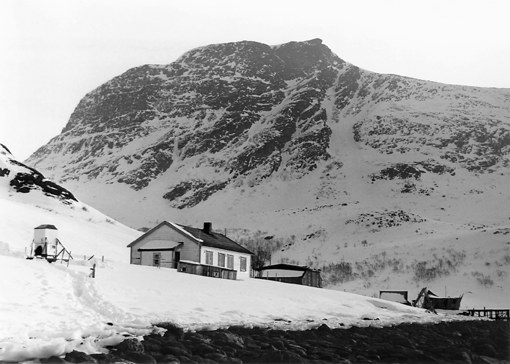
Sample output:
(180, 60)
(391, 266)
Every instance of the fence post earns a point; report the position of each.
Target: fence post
(93, 269)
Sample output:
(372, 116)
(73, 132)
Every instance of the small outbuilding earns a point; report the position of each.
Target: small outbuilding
(289, 273)
(46, 244)
(191, 250)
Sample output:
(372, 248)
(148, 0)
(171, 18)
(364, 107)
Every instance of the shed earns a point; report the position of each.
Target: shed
(45, 240)
(46, 244)
(289, 273)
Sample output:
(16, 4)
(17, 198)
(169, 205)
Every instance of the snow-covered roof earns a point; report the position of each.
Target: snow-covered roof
(160, 244)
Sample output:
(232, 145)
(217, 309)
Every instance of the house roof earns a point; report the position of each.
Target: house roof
(160, 245)
(213, 239)
(284, 266)
(169, 224)
(51, 227)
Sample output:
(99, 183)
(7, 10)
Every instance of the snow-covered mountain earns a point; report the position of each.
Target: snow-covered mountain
(388, 174)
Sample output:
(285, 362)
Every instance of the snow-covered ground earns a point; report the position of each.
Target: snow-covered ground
(50, 309)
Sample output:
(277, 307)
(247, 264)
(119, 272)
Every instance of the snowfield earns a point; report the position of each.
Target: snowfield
(51, 309)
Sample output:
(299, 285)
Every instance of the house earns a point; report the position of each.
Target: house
(289, 273)
(191, 250)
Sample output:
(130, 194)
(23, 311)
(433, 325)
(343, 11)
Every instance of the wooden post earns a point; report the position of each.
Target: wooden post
(93, 269)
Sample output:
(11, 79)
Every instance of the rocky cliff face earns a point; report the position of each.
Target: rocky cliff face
(20, 178)
(227, 119)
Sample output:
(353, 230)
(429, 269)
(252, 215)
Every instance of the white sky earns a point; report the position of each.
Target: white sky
(54, 52)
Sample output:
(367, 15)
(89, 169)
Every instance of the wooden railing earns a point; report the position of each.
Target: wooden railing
(206, 270)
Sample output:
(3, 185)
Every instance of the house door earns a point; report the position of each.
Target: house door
(177, 258)
(156, 259)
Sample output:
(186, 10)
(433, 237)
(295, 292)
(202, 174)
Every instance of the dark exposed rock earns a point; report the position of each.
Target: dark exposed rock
(27, 179)
(487, 342)
(138, 357)
(130, 345)
(79, 357)
(53, 360)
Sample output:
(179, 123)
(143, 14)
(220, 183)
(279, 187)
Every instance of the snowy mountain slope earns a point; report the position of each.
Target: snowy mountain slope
(295, 142)
(28, 200)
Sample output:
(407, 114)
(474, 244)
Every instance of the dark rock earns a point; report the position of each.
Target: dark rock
(79, 357)
(53, 360)
(282, 356)
(485, 350)
(488, 342)
(150, 344)
(138, 357)
(223, 338)
(172, 330)
(461, 355)
(217, 357)
(173, 343)
(203, 349)
(130, 345)
(168, 359)
(174, 350)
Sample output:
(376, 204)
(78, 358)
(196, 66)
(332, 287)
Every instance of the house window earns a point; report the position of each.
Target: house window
(208, 257)
(243, 264)
(156, 259)
(230, 261)
(221, 259)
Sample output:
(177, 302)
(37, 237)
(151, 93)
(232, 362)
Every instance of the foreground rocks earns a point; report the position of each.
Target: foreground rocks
(448, 342)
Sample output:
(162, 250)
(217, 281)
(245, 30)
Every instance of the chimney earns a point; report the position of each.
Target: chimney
(207, 227)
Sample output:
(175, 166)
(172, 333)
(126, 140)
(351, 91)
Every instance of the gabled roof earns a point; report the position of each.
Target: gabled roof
(284, 266)
(213, 240)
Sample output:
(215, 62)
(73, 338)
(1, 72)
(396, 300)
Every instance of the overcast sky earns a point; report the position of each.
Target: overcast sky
(54, 52)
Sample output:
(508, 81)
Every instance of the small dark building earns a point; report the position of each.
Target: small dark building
(289, 273)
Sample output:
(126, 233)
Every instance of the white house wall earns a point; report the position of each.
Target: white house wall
(48, 235)
(166, 258)
(190, 250)
(272, 273)
(237, 260)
